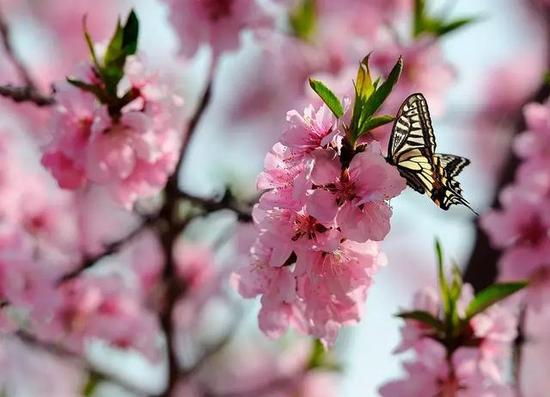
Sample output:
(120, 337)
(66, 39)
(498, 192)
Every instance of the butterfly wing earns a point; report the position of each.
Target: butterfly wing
(449, 192)
(411, 149)
(412, 128)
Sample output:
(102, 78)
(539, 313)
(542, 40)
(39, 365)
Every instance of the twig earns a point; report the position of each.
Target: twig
(110, 249)
(519, 342)
(228, 202)
(25, 94)
(481, 269)
(174, 289)
(63, 353)
(29, 92)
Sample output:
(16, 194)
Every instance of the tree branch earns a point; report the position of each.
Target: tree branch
(174, 288)
(228, 202)
(29, 92)
(110, 249)
(481, 270)
(25, 94)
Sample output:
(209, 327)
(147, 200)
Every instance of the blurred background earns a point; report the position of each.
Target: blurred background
(497, 62)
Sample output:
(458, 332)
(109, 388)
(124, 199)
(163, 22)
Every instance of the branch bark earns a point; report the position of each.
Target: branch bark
(481, 269)
(29, 91)
(110, 249)
(173, 287)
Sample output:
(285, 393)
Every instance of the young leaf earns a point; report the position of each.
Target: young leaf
(443, 285)
(375, 122)
(130, 34)
(363, 82)
(423, 317)
(454, 25)
(113, 53)
(328, 97)
(379, 96)
(317, 355)
(94, 89)
(89, 42)
(303, 19)
(419, 16)
(491, 295)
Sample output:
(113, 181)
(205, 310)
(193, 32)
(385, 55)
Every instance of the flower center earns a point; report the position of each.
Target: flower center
(218, 9)
(307, 226)
(532, 232)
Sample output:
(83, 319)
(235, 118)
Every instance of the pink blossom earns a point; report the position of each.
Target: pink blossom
(214, 22)
(90, 309)
(472, 370)
(535, 142)
(358, 197)
(131, 156)
(425, 70)
(314, 256)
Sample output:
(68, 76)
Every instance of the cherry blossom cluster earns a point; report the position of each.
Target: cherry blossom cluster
(460, 341)
(324, 208)
(522, 226)
(114, 125)
(474, 368)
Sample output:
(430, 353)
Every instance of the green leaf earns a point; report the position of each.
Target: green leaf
(114, 53)
(379, 96)
(94, 89)
(423, 317)
(317, 355)
(375, 122)
(130, 34)
(454, 25)
(328, 97)
(123, 43)
(363, 82)
(443, 285)
(303, 19)
(89, 42)
(419, 16)
(491, 295)
(94, 379)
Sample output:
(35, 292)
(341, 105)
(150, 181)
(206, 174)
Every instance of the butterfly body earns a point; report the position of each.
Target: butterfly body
(412, 150)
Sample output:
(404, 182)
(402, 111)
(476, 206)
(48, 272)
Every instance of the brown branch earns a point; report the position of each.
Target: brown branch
(228, 202)
(110, 249)
(174, 288)
(517, 349)
(60, 351)
(25, 94)
(481, 269)
(29, 91)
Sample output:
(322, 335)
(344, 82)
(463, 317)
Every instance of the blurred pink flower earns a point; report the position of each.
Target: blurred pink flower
(132, 156)
(214, 22)
(473, 369)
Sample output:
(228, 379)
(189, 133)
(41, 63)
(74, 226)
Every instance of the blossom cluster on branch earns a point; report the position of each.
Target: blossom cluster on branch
(460, 341)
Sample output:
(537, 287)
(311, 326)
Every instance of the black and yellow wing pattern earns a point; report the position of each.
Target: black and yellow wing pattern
(412, 150)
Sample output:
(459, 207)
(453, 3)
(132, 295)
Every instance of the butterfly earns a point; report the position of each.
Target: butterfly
(412, 150)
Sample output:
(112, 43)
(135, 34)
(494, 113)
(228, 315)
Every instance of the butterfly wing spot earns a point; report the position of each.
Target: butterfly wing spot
(412, 149)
